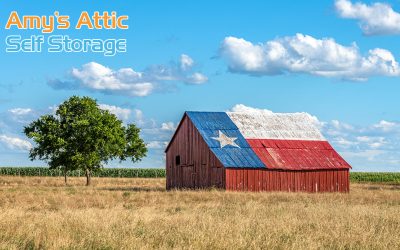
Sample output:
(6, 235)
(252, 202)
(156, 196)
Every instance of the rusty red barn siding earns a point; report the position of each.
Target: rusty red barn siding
(291, 181)
(198, 168)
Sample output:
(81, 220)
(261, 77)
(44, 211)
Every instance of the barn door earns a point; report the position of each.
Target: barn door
(216, 176)
(188, 176)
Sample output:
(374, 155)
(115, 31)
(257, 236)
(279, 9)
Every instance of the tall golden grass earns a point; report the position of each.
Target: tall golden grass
(42, 213)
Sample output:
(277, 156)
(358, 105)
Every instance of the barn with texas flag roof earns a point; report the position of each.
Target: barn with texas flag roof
(253, 152)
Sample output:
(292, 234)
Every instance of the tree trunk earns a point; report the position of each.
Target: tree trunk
(65, 175)
(88, 177)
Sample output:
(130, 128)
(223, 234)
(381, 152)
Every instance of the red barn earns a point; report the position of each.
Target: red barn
(253, 152)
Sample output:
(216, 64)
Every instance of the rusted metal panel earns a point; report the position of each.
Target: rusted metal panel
(287, 154)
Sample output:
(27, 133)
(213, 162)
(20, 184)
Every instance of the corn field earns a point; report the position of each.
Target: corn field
(105, 172)
(375, 177)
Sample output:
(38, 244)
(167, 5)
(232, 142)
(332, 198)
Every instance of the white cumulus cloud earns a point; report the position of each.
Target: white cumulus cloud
(246, 109)
(304, 54)
(374, 19)
(124, 81)
(168, 126)
(186, 62)
(127, 81)
(121, 113)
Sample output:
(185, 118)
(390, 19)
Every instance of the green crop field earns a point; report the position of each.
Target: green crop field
(105, 172)
(386, 177)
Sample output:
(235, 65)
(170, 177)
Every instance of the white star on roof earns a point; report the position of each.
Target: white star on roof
(225, 140)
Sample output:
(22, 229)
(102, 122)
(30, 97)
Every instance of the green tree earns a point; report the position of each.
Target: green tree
(80, 135)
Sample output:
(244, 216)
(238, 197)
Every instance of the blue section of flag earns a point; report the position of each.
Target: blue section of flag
(208, 135)
(209, 124)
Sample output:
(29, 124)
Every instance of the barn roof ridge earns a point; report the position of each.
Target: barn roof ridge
(254, 114)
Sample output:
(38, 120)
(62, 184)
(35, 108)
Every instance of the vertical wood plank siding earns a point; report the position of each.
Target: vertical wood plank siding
(283, 180)
(198, 168)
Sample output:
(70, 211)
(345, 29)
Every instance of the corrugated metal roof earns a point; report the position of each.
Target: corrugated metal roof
(292, 126)
(210, 125)
(211, 120)
(266, 140)
(297, 154)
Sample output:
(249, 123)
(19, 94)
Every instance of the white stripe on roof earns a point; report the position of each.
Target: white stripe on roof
(289, 126)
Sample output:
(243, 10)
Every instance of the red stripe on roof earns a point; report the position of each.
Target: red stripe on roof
(297, 154)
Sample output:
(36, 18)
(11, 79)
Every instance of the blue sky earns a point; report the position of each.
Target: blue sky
(337, 60)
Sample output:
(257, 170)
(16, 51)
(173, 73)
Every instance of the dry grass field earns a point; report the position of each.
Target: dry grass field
(42, 213)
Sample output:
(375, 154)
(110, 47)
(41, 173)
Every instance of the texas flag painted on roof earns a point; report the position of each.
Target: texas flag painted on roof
(266, 140)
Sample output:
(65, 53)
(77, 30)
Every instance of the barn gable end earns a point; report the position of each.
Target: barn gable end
(197, 166)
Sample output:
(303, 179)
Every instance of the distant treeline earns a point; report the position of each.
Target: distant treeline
(159, 172)
(105, 172)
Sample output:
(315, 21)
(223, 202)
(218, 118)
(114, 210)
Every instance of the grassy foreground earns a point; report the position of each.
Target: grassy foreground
(135, 213)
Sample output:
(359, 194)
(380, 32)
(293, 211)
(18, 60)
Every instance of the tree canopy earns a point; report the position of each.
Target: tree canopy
(80, 135)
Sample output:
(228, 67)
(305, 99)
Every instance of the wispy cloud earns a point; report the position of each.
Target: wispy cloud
(168, 126)
(374, 19)
(15, 143)
(20, 111)
(303, 54)
(157, 144)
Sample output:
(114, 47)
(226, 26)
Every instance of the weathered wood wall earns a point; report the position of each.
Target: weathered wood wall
(198, 168)
(283, 180)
